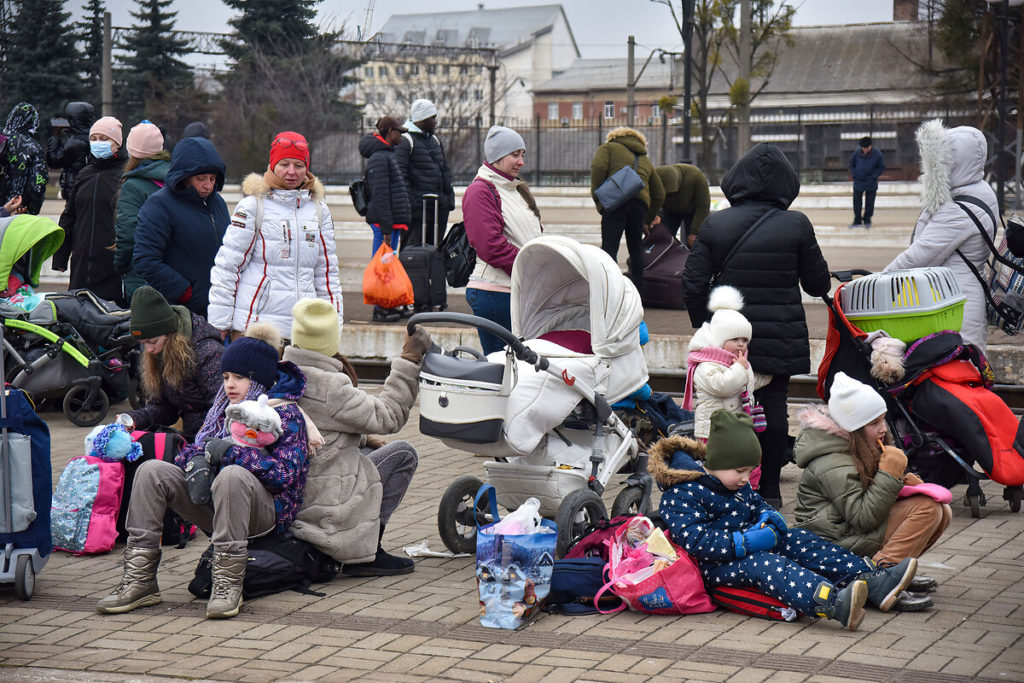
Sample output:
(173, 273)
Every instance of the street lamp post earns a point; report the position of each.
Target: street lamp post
(687, 75)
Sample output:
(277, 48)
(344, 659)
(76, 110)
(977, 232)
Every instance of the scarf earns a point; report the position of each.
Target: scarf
(274, 182)
(709, 354)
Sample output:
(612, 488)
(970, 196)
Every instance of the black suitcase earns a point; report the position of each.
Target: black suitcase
(664, 260)
(425, 267)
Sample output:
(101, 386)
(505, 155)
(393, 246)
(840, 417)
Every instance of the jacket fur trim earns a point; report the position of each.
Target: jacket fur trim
(660, 457)
(818, 417)
(935, 163)
(623, 131)
(254, 184)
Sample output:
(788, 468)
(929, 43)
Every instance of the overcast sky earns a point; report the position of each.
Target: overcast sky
(600, 27)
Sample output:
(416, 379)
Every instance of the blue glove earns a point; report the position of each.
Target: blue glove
(754, 539)
(775, 519)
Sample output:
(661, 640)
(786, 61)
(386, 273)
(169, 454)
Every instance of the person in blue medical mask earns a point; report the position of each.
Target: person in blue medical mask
(88, 218)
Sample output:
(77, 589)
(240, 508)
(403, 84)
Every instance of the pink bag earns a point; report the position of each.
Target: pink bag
(939, 493)
(83, 516)
(676, 589)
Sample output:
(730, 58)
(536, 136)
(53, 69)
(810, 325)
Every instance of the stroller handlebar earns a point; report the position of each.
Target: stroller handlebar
(847, 275)
(521, 351)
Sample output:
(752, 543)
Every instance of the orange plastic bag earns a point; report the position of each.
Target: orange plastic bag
(385, 282)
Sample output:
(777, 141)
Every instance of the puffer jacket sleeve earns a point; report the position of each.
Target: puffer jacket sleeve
(657, 191)
(67, 220)
(378, 181)
(935, 238)
(599, 173)
(234, 255)
(326, 280)
(814, 275)
(721, 381)
(153, 234)
(357, 412)
(864, 509)
(158, 411)
(689, 521)
(697, 275)
(282, 466)
(128, 204)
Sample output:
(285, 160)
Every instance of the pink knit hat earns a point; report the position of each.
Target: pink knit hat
(110, 127)
(144, 141)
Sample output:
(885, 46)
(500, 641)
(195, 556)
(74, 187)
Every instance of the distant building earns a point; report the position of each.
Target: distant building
(451, 55)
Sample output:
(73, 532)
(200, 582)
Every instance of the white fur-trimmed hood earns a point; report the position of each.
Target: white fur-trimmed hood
(254, 184)
(950, 158)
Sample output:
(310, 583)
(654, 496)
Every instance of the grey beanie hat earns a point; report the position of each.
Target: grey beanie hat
(500, 142)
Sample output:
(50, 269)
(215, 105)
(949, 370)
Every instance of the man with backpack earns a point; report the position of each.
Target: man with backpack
(422, 161)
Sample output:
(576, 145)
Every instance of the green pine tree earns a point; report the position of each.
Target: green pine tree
(90, 34)
(41, 64)
(272, 27)
(151, 78)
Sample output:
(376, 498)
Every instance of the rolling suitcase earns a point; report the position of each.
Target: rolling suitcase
(425, 267)
(664, 260)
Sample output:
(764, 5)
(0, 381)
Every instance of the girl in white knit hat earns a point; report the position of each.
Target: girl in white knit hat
(718, 375)
(855, 490)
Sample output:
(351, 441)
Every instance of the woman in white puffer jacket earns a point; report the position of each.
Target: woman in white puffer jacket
(952, 165)
(279, 247)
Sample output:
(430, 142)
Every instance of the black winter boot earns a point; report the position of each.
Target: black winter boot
(845, 606)
(886, 584)
(382, 565)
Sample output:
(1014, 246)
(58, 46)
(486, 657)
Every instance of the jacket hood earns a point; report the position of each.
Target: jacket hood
(23, 119)
(820, 436)
(151, 169)
(950, 158)
(633, 139)
(673, 460)
(196, 129)
(763, 174)
(254, 184)
(80, 115)
(291, 383)
(193, 156)
(370, 143)
(671, 177)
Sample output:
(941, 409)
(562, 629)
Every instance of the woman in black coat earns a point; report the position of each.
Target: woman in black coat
(769, 267)
(88, 217)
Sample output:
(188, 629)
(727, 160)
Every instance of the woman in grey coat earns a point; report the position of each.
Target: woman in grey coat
(953, 165)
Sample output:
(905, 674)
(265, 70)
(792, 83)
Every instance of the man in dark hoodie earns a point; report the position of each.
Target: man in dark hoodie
(769, 267)
(181, 226)
(68, 148)
(23, 170)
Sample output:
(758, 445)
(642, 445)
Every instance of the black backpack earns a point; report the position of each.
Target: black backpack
(360, 196)
(458, 255)
(277, 562)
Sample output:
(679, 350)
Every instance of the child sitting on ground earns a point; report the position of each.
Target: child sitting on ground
(740, 540)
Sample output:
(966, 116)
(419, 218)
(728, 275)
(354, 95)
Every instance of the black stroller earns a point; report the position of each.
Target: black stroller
(942, 412)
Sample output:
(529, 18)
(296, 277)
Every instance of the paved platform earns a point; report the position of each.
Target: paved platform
(424, 626)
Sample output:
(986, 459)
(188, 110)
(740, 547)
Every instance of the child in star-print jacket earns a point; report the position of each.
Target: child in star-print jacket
(740, 540)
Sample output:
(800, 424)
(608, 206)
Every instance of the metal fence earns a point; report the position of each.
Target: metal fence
(818, 142)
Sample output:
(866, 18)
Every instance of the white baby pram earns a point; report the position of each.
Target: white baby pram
(539, 408)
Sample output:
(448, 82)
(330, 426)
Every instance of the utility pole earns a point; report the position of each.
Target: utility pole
(106, 72)
(630, 83)
(743, 118)
(493, 69)
(687, 76)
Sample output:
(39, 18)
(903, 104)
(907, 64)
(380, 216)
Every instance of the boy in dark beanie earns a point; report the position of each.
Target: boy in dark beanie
(740, 540)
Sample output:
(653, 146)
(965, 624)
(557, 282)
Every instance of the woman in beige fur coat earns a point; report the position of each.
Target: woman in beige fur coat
(352, 490)
(279, 247)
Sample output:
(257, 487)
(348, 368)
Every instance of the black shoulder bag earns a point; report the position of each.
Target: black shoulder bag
(736, 247)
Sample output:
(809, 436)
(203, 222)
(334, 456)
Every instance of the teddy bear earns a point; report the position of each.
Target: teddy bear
(253, 423)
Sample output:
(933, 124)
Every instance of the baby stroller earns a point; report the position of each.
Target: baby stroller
(74, 347)
(542, 408)
(941, 411)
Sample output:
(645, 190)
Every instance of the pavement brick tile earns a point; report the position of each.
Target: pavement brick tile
(432, 649)
(929, 661)
(466, 672)
(529, 673)
(525, 654)
(493, 652)
(564, 674)
(756, 675)
(651, 666)
(265, 671)
(170, 642)
(618, 663)
(611, 677)
(317, 673)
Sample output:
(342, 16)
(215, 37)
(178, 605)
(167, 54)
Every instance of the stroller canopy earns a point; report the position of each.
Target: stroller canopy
(560, 284)
(36, 236)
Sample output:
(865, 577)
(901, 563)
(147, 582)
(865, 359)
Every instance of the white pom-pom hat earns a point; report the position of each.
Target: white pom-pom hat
(726, 321)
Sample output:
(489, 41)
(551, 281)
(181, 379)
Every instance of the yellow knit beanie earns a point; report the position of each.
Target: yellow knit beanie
(315, 326)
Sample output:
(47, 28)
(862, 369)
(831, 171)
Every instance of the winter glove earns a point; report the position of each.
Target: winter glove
(199, 480)
(754, 539)
(215, 450)
(773, 519)
(892, 461)
(374, 442)
(416, 344)
(185, 296)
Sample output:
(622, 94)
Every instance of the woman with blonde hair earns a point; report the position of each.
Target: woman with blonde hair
(180, 363)
(143, 175)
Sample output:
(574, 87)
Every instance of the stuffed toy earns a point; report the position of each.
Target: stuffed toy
(113, 443)
(253, 423)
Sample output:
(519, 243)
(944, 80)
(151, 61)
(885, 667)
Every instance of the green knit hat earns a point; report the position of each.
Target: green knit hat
(732, 442)
(152, 316)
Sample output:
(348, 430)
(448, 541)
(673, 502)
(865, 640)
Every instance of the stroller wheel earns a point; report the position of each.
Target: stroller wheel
(1013, 494)
(24, 577)
(578, 511)
(630, 501)
(456, 515)
(974, 503)
(86, 406)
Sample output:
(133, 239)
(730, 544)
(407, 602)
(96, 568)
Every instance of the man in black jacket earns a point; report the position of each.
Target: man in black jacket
(769, 267)
(68, 148)
(425, 168)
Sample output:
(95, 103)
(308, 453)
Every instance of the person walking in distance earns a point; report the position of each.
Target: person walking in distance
(866, 166)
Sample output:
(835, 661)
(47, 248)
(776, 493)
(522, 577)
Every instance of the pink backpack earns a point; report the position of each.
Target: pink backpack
(83, 517)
